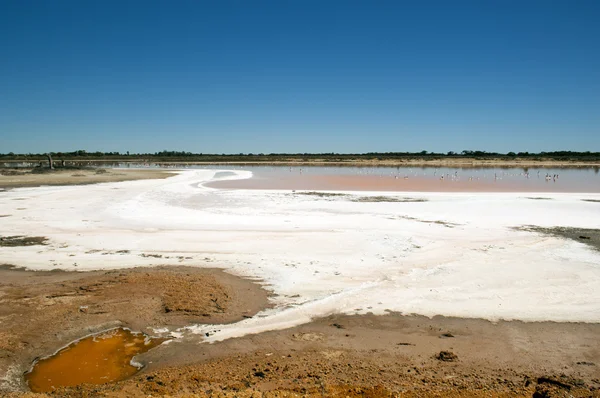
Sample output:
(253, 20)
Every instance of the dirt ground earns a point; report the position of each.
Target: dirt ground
(377, 356)
(43, 311)
(339, 356)
(383, 356)
(15, 178)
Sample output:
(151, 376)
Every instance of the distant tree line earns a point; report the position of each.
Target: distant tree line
(331, 156)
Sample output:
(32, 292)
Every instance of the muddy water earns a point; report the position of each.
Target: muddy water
(97, 359)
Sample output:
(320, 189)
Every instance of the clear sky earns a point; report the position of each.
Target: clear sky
(299, 76)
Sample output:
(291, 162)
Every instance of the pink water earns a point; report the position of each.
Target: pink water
(418, 179)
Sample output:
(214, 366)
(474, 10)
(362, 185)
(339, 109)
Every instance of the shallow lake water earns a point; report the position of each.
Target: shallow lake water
(390, 178)
(417, 179)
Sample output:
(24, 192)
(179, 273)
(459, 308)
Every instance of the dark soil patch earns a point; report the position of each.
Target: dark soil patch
(446, 356)
(590, 237)
(439, 222)
(13, 241)
(43, 170)
(11, 172)
(321, 194)
(375, 199)
(57, 168)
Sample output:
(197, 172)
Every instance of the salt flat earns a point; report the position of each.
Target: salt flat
(453, 254)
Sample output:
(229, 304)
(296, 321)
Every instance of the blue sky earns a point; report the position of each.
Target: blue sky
(299, 76)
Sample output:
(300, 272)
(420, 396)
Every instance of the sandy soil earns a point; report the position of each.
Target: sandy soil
(368, 355)
(377, 356)
(390, 354)
(14, 178)
(45, 310)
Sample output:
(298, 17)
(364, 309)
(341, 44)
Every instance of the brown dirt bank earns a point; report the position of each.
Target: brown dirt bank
(43, 311)
(377, 356)
(15, 178)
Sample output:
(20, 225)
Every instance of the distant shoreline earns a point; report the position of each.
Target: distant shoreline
(266, 160)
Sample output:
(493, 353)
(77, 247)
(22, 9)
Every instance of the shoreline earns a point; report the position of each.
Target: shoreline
(72, 177)
(461, 162)
(346, 184)
(411, 163)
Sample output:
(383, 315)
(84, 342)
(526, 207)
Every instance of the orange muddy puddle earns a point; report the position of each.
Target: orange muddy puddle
(97, 359)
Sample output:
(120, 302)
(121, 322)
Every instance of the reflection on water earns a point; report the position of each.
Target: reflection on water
(422, 179)
(500, 178)
(97, 359)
